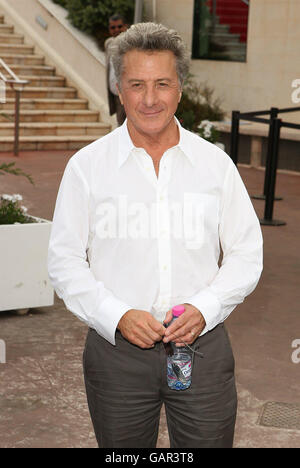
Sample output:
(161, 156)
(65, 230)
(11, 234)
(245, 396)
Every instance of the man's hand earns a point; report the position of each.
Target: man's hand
(141, 328)
(186, 328)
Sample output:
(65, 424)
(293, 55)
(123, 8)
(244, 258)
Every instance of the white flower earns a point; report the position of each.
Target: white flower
(17, 197)
(24, 209)
(206, 124)
(203, 123)
(6, 197)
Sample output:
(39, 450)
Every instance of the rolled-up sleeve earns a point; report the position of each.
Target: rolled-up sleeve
(242, 245)
(68, 265)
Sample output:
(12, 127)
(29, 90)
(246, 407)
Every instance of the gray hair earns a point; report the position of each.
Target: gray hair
(150, 37)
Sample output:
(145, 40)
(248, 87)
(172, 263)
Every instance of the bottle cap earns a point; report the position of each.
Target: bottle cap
(178, 310)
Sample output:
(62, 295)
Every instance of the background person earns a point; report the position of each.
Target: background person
(116, 25)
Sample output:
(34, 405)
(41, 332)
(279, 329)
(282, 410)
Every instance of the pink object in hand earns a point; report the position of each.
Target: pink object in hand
(178, 310)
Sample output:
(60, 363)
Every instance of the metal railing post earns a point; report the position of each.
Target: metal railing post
(17, 85)
(234, 138)
(269, 204)
(273, 115)
(17, 122)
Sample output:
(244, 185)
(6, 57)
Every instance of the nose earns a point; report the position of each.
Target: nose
(150, 96)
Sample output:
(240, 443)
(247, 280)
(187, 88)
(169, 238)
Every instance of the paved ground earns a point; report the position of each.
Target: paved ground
(42, 398)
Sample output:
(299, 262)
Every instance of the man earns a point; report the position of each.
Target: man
(140, 217)
(116, 25)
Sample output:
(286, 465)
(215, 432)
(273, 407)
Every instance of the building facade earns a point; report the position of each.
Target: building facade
(253, 62)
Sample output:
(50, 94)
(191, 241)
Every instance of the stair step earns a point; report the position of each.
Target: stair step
(234, 56)
(47, 104)
(44, 81)
(6, 28)
(53, 116)
(231, 47)
(20, 49)
(225, 38)
(55, 129)
(29, 70)
(22, 59)
(50, 93)
(11, 38)
(221, 28)
(40, 143)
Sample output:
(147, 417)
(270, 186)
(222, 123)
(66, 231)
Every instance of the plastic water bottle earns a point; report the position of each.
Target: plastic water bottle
(179, 365)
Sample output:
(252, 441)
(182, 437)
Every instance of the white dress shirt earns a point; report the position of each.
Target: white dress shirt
(123, 238)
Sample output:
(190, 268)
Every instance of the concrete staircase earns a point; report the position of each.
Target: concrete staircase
(52, 117)
(229, 36)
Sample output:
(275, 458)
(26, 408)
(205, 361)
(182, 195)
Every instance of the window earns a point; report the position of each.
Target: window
(220, 30)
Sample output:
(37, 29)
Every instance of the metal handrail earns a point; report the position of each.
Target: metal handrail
(17, 85)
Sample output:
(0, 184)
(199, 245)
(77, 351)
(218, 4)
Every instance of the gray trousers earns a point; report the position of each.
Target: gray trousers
(126, 387)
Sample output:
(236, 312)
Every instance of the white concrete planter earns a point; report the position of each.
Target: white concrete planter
(24, 281)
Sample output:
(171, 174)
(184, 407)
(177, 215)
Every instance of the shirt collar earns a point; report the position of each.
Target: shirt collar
(185, 143)
(126, 145)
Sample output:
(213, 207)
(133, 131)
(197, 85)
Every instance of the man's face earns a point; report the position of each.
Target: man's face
(150, 90)
(116, 27)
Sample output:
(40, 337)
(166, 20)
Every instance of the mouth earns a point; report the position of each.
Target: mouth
(151, 114)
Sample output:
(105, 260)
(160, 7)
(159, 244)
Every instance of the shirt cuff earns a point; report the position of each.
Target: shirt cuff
(111, 311)
(209, 306)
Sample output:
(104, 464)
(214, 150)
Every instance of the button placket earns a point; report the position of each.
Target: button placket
(164, 244)
(146, 164)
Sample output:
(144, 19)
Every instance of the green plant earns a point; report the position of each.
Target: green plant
(11, 211)
(11, 169)
(91, 16)
(197, 104)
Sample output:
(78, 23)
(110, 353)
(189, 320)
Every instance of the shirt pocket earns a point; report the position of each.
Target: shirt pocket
(200, 218)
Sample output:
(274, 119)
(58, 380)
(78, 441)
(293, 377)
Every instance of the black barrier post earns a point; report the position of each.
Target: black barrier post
(234, 139)
(267, 220)
(273, 115)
